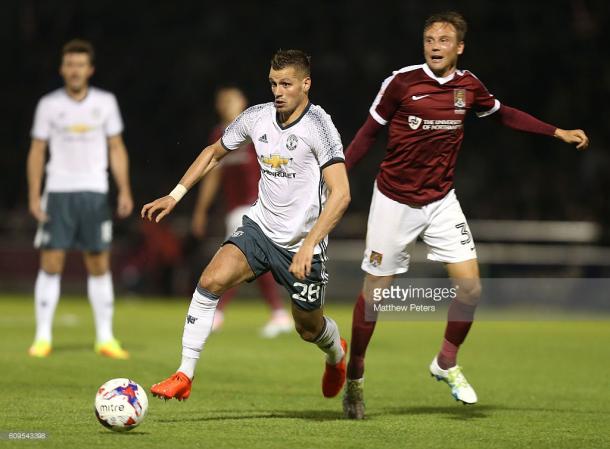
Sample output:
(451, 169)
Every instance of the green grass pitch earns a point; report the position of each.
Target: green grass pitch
(540, 384)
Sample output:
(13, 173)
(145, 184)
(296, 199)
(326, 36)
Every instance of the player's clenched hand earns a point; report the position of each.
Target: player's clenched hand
(576, 136)
(301, 262)
(161, 207)
(36, 210)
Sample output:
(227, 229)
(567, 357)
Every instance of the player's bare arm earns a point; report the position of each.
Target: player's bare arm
(207, 192)
(209, 158)
(335, 177)
(35, 170)
(573, 136)
(119, 166)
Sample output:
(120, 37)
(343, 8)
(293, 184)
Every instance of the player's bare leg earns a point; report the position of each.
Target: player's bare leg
(101, 296)
(465, 276)
(227, 269)
(321, 330)
(46, 297)
(363, 325)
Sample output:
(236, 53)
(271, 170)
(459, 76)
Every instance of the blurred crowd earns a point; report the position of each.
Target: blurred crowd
(164, 61)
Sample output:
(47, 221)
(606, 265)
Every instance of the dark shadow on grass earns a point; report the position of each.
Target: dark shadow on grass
(466, 412)
(130, 432)
(459, 411)
(309, 415)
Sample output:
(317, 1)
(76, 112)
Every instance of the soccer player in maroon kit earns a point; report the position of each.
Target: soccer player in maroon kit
(237, 177)
(425, 106)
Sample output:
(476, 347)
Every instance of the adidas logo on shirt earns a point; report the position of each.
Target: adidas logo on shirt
(263, 138)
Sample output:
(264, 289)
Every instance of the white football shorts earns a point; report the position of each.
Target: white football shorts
(233, 219)
(393, 227)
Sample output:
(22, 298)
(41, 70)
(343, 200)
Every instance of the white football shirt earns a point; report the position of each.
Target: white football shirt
(291, 190)
(77, 133)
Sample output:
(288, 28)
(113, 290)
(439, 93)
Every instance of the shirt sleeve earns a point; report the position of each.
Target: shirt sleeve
(326, 143)
(387, 100)
(114, 123)
(522, 121)
(484, 103)
(41, 129)
(239, 131)
(215, 134)
(362, 143)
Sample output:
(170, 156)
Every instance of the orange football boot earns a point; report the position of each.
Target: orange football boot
(334, 375)
(176, 386)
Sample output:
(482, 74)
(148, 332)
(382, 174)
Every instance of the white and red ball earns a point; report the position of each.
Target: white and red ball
(120, 404)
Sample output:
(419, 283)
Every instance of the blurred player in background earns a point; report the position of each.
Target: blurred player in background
(237, 177)
(303, 192)
(82, 127)
(425, 106)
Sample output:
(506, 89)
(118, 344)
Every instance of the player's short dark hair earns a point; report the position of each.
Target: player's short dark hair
(292, 58)
(452, 17)
(79, 46)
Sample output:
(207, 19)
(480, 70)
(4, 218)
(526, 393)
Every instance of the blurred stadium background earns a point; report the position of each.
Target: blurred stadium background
(536, 207)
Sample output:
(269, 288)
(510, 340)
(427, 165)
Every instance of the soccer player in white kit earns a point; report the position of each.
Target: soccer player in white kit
(237, 178)
(81, 125)
(303, 192)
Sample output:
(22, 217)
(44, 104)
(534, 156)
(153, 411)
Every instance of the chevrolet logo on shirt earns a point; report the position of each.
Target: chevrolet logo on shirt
(275, 161)
(277, 164)
(79, 128)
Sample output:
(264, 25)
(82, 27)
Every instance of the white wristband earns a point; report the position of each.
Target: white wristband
(178, 192)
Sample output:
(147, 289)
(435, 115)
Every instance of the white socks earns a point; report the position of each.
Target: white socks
(197, 328)
(329, 341)
(101, 297)
(46, 296)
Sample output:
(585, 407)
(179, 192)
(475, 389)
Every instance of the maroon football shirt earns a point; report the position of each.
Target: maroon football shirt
(426, 116)
(240, 174)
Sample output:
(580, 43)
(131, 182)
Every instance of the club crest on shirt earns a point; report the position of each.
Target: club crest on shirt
(375, 258)
(414, 122)
(459, 98)
(292, 142)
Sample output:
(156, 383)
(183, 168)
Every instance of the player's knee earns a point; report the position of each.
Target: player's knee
(51, 269)
(97, 263)
(470, 293)
(211, 283)
(51, 264)
(307, 333)
(374, 286)
(97, 269)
